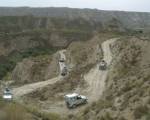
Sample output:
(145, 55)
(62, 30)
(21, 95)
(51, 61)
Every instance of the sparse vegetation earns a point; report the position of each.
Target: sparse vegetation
(14, 111)
(8, 63)
(126, 94)
(43, 115)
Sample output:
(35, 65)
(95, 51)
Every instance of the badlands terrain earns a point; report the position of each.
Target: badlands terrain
(32, 42)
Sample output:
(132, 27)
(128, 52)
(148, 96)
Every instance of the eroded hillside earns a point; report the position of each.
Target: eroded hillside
(127, 94)
(35, 47)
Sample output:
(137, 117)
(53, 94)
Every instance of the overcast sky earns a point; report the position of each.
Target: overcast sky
(127, 5)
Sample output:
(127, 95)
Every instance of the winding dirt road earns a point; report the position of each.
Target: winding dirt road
(26, 89)
(96, 78)
(96, 83)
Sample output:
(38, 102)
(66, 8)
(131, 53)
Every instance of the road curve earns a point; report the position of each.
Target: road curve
(96, 78)
(26, 89)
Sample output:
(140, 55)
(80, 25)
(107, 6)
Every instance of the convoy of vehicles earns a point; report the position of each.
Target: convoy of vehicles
(73, 100)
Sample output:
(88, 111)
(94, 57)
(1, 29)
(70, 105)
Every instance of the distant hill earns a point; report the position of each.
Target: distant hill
(131, 20)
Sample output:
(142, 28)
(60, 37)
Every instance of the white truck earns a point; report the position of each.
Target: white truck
(73, 100)
(7, 95)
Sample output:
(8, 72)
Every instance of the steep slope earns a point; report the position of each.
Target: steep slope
(26, 36)
(127, 92)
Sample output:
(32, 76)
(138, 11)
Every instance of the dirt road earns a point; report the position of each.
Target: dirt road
(26, 89)
(96, 78)
(96, 81)
(18, 92)
(62, 57)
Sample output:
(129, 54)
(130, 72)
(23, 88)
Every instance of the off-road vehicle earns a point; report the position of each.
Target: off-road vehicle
(103, 65)
(7, 95)
(73, 100)
(64, 71)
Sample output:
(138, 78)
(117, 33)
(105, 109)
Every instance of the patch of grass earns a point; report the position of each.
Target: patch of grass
(43, 115)
(13, 111)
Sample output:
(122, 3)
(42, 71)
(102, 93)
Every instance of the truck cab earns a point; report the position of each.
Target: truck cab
(73, 100)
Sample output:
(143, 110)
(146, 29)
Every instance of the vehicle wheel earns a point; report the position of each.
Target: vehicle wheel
(73, 106)
(68, 106)
(85, 101)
